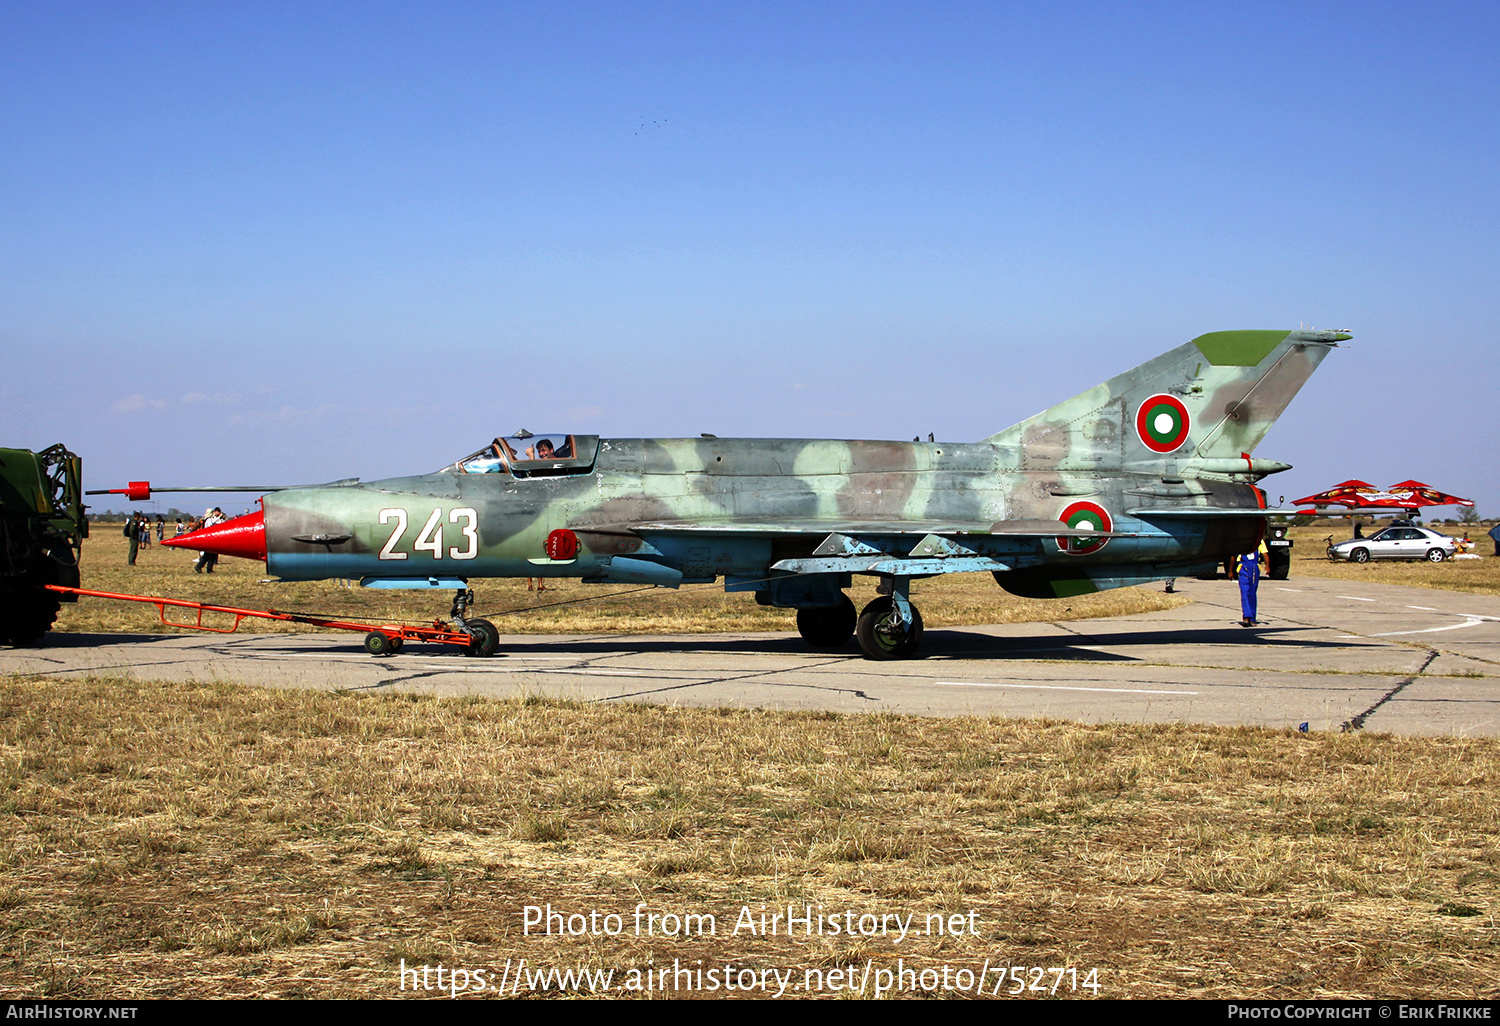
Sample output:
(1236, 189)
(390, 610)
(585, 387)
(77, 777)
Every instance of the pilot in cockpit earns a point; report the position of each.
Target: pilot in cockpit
(503, 451)
(544, 450)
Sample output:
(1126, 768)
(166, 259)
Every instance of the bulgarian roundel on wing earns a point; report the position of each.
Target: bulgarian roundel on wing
(1082, 516)
(1162, 423)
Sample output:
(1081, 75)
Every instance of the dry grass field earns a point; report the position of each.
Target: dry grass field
(207, 840)
(211, 840)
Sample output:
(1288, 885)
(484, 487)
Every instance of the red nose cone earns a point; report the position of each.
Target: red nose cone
(243, 536)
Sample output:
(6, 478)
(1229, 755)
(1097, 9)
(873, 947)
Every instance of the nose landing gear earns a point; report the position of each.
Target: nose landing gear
(485, 635)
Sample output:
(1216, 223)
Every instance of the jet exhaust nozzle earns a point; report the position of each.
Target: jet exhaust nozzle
(244, 536)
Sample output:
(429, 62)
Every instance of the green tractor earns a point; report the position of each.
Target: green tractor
(42, 527)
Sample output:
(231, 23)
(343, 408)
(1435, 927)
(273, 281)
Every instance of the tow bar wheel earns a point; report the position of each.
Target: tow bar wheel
(378, 644)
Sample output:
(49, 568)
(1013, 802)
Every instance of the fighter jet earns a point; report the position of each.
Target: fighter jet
(1145, 477)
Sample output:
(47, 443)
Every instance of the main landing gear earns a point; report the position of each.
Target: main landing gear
(827, 628)
(890, 627)
(886, 633)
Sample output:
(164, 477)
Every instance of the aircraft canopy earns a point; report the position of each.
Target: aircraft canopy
(528, 455)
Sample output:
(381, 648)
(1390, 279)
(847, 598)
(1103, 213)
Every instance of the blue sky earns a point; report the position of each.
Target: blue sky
(289, 243)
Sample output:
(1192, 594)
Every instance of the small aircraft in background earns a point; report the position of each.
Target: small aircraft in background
(1361, 497)
(1145, 477)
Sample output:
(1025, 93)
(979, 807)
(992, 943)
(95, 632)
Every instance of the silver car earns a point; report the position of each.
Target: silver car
(1402, 542)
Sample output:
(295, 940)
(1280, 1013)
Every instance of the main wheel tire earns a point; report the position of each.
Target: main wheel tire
(486, 638)
(1359, 556)
(377, 644)
(828, 627)
(878, 639)
(1436, 555)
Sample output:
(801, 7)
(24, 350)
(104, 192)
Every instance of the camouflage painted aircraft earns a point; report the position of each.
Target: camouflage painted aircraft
(1147, 476)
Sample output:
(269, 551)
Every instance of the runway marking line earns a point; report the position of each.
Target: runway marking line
(1056, 687)
(1470, 620)
(494, 666)
(1355, 598)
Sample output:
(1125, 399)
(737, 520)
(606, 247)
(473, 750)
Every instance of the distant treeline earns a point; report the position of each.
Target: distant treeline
(108, 515)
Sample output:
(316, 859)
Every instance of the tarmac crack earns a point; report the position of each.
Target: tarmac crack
(1358, 722)
(392, 681)
(856, 692)
(1466, 655)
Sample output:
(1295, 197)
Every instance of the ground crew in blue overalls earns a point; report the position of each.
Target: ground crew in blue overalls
(1250, 569)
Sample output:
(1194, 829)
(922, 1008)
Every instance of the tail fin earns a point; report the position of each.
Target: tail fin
(1212, 398)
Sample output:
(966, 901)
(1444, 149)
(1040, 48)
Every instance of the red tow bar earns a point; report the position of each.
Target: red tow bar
(385, 639)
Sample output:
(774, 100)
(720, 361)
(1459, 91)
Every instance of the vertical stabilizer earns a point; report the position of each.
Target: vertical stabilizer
(1213, 397)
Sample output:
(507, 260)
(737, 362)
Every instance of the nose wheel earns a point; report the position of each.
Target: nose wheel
(484, 636)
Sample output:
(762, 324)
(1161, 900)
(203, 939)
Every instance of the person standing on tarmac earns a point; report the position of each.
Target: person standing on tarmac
(1250, 573)
(133, 533)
